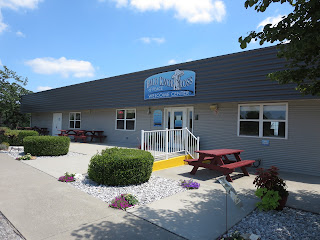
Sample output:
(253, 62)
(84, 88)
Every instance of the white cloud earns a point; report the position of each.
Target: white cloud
(150, 39)
(43, 88)
(20, 34)
(270, 20)
(194, 11)
(3, 26)
(172, 61)
(1, 63)
(253, 40)
(63, 66)
(16, 5)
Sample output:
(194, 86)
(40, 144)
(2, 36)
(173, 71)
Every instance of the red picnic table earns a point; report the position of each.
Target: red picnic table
(83, 134)
(217, 160)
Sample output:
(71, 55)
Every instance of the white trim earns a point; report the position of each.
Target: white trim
(125, 119)
(261, 120)
(185, 110)
(74, 120)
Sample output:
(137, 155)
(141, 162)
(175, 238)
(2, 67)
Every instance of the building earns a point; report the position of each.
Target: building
(227, 101)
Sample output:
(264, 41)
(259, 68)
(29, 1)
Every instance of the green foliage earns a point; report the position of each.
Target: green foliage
(67, 177)
(124, 201)
(15, 137)
(132, 200)
(28, 156)
(300, 31)
(269, 179)
(46, 145)
(269, 199)
(4, 146)
(120, 167)
(11, 91)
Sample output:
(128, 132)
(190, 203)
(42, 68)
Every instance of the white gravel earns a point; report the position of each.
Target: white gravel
(281, 225)
(156, 188)
(7, 230)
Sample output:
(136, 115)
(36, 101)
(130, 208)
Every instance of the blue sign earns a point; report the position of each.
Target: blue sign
(157, 118)
(178, 83)
(265, 142)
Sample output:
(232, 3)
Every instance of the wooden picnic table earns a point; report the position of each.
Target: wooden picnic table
(217, 159)
(96, 134)
(83, 134)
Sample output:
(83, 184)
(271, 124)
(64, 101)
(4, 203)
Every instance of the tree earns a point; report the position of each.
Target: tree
(299, 36)
(11, 90)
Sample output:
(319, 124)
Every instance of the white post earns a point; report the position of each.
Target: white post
(198, 146)
(142, 139)
(167, 140)
(185, 139)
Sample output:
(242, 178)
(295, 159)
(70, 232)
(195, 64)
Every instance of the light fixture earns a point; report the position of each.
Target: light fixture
(149, 111)
(214, 107)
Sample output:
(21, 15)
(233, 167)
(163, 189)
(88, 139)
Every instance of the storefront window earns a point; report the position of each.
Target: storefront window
(263, 120)
(126, 119)
(74, 120)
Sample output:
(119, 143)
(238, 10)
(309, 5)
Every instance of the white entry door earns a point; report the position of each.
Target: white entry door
(56, 123)
(179, 117)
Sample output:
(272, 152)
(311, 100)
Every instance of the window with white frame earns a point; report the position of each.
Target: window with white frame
(263, 120)
(74, 120)
(126, 119)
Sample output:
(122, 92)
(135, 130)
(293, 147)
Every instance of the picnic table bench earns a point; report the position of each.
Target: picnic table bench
(82, 135)
(217, 160)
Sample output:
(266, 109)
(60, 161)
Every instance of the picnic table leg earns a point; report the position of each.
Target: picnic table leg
(194, 170)
(229, 179)
(226, 159)
(195, 166)
(244, 170)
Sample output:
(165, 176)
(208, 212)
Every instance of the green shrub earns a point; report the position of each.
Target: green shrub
(4, 129)
(4, 146)
(269, 199)
(121, 167)
(15, 137)
(46, 145)
(3, 138)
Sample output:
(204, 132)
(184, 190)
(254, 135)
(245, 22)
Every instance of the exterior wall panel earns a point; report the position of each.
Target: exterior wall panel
(299, 153)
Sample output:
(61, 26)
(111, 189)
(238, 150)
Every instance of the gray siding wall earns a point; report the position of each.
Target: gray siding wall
(42, 120)
(299, 153)
(103, 119)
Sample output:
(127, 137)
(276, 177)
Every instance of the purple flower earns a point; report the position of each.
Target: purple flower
(190, 184)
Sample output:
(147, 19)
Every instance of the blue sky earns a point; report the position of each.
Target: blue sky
(57, 43)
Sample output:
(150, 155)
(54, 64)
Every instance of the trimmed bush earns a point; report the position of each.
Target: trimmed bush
(121, 167)
(46, 145)
(15, 137)
(3, 138)
(4, 146)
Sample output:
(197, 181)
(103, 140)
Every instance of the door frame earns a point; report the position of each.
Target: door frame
(53, 118)
(186, 116)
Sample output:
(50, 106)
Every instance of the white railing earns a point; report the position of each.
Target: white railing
(164, 143)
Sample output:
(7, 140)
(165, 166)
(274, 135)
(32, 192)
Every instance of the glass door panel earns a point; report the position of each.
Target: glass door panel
(178, 120)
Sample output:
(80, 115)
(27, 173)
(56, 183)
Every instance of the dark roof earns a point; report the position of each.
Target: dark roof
(237, 77)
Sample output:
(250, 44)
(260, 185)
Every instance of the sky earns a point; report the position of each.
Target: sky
(56, 43)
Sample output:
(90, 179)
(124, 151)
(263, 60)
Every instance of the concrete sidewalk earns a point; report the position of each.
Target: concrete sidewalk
(40, 207)
(78, 162)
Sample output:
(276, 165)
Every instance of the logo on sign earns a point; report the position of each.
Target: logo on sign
(178, 83)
